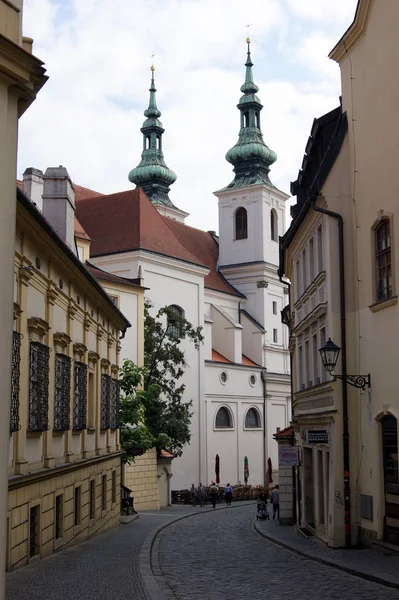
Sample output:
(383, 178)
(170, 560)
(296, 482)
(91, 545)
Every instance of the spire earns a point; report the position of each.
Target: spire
(250, 157)
(152, 175)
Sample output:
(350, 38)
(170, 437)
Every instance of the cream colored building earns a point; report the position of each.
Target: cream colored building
(64, 453)
(21, 77)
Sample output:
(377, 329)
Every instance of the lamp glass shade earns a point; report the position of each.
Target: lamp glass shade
(329, 355)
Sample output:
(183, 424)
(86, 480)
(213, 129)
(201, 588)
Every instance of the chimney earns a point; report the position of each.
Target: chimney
(33, 185)
(59, 202)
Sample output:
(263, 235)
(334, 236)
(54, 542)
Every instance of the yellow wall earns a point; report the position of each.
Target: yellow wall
(142, 478)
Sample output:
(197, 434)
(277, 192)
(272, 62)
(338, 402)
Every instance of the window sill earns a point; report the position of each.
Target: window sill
(91, 430)
(385, 304)
(253, 428)
(77, 431)
(34, 434)
(223, 428)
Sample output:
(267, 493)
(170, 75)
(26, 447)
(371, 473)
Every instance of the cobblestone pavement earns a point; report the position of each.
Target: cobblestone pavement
(218, 555)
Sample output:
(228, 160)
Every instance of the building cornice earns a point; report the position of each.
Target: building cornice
(354, 33)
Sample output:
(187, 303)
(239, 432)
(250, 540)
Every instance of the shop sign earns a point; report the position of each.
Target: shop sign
(318, 436)
(288, 456)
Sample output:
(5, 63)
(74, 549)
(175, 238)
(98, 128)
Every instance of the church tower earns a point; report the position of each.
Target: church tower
(251, 218)
(152, 174)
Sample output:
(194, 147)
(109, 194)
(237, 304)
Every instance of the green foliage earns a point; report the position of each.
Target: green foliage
(157, 415)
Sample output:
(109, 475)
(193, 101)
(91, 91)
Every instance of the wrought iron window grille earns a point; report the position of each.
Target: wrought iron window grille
(62, 392)
(105, 401)
(15, 376)
(38, 386)
(115, 403)
(80, 396)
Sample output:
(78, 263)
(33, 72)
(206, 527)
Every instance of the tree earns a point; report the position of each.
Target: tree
(157, 415)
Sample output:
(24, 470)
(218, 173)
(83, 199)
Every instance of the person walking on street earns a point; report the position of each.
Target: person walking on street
(201, 494)
(193, 495)
(276, 502)
(214, 493)
(228, 493)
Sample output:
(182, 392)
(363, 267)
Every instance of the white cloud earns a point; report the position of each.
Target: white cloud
(89, 113)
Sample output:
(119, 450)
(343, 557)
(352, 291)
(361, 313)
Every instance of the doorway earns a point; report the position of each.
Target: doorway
(391, 483)
(308, 486)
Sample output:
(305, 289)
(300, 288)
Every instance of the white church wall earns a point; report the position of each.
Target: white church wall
(252, 340)
(127, 302)
(208, 339)
(226, 335)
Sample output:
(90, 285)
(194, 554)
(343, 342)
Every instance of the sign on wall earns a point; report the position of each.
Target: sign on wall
(288, 456)
(318, 436)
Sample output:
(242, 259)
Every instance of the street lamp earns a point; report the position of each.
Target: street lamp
(329, 355)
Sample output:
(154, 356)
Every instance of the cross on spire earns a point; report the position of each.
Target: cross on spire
(247, 26)
(152, 55)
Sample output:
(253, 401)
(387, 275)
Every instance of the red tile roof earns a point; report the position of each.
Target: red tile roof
(217, 357)
(249, 362)
(104, 275)
(81, 193)
(287, 432)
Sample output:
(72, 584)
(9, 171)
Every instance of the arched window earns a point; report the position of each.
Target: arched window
(273, 225)
(241, 223)
(252, 418)
(246, 119)
(158, 142)
(383, 261)
(175, 321)
(147, 142)
(223, 419)
(257, 121)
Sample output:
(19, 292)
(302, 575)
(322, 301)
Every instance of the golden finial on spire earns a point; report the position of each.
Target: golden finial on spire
(152, 64)
(247, 26)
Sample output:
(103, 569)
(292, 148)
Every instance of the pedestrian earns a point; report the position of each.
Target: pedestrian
(276, 502)
(228, 494)
(193, 495)
(213, 490)
(201, 494)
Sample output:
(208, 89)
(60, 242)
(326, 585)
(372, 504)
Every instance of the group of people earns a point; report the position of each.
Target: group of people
(198, 494)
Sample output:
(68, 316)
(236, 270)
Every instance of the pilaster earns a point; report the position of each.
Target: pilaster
(48, 457)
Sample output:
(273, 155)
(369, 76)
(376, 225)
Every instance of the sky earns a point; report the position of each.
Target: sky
(97, 54)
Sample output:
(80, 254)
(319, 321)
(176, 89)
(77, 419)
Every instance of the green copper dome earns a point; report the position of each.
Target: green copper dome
(152, 174)
(250, 157)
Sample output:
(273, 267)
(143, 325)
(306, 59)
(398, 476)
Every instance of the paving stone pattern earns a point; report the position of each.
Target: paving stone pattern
(218, 555)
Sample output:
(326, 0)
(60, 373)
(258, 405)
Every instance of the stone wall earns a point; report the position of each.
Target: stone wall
(142, 478)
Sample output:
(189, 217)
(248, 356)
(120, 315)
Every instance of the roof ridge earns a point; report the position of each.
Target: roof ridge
(177, 239)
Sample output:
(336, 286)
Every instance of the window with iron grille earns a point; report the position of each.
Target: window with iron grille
(62, 392)
(175, 321)
(105, 401)
(38, 386)
(15, 373)
(115, 402)
(383, 256)
(80, 396)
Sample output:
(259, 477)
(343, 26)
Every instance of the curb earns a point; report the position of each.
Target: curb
(330, 563)
(149, 566)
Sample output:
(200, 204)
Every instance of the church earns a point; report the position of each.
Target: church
(239, 379)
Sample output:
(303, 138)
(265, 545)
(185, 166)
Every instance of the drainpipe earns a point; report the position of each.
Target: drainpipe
(263, 375)
(347, 501)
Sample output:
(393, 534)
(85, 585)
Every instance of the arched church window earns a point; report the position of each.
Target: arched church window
(257, 122)
(252, 419)
(175, 321)
(273, 225)
(241, 223)
(246, 119)
(147, 142)
(223, 419)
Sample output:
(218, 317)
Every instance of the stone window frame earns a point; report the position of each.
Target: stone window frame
(231, 427)
(273, 225)
(241, 227)
(258, 427)
(378, 304)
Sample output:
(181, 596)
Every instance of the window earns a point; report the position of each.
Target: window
(92, 499)
(76, 506)
(252, 419)
(322, 343)
(62, 392)
(315, 349)
(158, 142)
(297, 279)
(223, 419)
(15, 374)
(115, 300)
(275, 336)
(383, 261)
(147, 142)
(300, 368)
(115, 403)
(257, 120)
(80, 397)
(223, 377)
(104, 493)
(113, 487)
(59, 514)
(273, 225)
(105, 418)
(320, 248)
(274, 308)
(246, 119)
(311, 260)
(252, 380)
(91, 402)
(241, 223)
(34, 518)
(175, 321)
(307, 365)
(38, 386)
(304, 270)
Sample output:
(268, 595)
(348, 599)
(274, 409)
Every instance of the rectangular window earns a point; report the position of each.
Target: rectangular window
(311, 260)
(300, 368)
(105, 401)
(383, 257)
(91, 423)
(274, 308)
(320, 248)
(62, 392)
(308, 383)
(59, 516)
(93, 499)
(34, 529)
(113, 487)
(316, 378)
(304, 270)
(297, 279)
(15, 374)
(104, 493)
(76, 507)
(38, 386)
(80, 397)
(275, 336)
(322, 343)
(115, 404)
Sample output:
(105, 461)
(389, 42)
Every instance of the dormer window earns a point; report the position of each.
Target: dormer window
(241, 224)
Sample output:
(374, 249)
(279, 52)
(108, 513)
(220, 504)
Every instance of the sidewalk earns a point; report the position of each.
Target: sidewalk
(367, 564)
